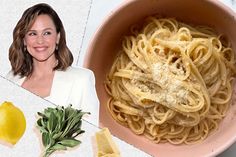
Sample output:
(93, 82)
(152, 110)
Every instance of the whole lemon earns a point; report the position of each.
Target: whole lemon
(12, 123)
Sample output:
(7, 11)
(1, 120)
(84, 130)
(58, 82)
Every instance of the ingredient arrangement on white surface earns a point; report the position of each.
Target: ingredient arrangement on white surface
(31, 141)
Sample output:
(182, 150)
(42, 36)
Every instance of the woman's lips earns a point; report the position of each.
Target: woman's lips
(40, 48)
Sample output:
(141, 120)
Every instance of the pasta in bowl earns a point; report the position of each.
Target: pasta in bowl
(171, 82)
(167, 79)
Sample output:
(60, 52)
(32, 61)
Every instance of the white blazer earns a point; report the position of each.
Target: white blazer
(74, 86)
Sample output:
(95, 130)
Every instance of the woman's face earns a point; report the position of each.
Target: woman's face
(41, 39)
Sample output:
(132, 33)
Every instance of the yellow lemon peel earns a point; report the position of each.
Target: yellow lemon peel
(12, 123)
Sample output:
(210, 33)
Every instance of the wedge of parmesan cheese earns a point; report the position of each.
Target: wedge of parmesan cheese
(106, 147)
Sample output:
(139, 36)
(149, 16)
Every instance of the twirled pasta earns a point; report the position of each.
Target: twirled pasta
(171, 82)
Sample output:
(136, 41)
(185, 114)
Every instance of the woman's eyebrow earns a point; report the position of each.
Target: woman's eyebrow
(45, 29)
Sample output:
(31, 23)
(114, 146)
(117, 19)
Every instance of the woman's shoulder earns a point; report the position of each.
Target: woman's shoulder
(10, 75)
(14, 78)
(77, 73)
(81, 70)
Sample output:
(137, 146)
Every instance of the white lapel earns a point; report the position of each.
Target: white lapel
(61, 87)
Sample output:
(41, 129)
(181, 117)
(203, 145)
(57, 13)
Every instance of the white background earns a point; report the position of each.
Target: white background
(78, 25)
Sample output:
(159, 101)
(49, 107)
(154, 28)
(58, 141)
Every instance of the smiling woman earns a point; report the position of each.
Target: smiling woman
(41, 62)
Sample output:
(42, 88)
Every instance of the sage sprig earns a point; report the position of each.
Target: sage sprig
(59, 127)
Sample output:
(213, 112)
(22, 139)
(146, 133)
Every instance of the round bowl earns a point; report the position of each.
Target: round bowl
(107, 41)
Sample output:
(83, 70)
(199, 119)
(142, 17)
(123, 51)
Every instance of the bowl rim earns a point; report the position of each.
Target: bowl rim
(219, 4)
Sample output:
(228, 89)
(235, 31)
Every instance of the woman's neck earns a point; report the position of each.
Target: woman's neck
(42, 69)
(41, 80)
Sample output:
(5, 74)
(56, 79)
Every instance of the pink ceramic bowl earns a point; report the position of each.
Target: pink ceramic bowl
(107, 41)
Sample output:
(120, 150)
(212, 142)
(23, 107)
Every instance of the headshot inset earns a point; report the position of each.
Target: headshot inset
(41, 62)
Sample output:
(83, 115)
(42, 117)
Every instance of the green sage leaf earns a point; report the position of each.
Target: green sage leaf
(69, 142)
(45, 139)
